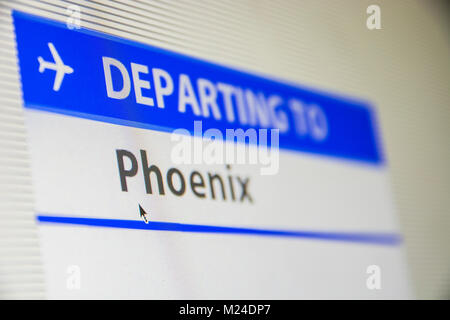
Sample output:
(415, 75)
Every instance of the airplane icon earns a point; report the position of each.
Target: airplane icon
(59, 66)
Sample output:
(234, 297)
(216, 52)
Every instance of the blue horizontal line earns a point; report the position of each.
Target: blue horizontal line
(388, 239)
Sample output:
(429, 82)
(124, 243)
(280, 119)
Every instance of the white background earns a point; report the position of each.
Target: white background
(75, 173)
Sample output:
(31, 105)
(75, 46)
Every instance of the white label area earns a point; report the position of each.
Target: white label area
(75, 174)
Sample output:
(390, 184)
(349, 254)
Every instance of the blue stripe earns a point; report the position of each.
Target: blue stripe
(376, 238)
(351, 123)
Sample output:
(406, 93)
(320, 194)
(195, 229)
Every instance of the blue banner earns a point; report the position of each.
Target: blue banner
(92, 75)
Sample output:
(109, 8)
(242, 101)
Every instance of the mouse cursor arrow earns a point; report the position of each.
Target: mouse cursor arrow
(143, 214)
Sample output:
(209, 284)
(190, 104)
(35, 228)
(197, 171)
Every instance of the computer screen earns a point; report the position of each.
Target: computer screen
(224, 150)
